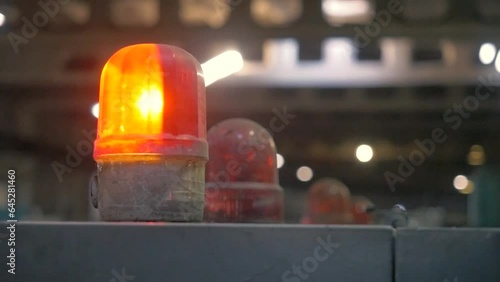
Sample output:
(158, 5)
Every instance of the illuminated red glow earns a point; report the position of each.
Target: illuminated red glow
(241, 175)
(152, 102)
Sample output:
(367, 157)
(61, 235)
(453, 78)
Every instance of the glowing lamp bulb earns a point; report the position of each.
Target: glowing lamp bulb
(151, 145)
(241, 176)
(329, 202)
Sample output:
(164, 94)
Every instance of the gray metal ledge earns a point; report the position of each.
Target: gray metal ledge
(448, 255)
(198, 252)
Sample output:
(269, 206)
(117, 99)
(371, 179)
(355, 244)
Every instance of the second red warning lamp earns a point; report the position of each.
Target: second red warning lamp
(241, 175)
(151, 146)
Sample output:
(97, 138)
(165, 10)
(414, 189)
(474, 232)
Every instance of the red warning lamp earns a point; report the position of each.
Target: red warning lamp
(361, 210)
(241, 176)
(151, 145)
(329, 202)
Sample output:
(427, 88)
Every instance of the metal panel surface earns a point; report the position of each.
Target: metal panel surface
(198, 252)
(447, 255)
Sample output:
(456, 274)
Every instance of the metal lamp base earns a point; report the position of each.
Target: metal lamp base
(150, 190)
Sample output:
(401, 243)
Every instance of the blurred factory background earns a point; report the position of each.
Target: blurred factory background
(395, 98)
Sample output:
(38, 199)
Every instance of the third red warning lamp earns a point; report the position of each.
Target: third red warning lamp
(151, 146)
(242, 178)
(362, 209)
(328, 202)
